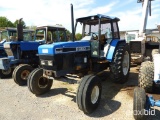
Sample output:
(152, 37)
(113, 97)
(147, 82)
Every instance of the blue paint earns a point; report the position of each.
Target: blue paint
(50, 48)
(150, 102)
(112, 49)
(27, 46)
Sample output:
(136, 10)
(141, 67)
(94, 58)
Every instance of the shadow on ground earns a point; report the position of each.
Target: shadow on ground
(109, 90)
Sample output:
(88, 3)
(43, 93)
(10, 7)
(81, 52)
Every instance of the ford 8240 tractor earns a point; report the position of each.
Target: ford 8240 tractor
(99, 49)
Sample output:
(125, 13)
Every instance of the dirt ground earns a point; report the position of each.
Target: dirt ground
(18, 103)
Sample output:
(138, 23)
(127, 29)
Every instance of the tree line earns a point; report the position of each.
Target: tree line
(5, 22)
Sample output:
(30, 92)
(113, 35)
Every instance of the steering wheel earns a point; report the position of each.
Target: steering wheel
(95, 37)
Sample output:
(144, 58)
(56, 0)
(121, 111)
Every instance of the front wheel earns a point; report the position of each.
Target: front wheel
(120, 65)
(89, 93)
(139, 103)
(6, 73)
(21, 74)
(38, 84)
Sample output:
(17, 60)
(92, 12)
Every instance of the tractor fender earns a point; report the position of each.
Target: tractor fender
(112, 47)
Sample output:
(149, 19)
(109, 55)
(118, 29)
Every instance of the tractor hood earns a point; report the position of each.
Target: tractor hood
(63, 47)
(24, 45)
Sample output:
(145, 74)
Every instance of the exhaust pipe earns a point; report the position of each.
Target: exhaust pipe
(20, 30)
(72, 23)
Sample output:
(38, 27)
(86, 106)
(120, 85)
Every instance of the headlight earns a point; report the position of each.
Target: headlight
(42, 62)
(50, 63)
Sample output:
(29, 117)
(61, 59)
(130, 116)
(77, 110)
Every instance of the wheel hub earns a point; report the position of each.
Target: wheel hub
(95, 94)
(6, 72)
(42, 82)
(125, 63)
(24, 74)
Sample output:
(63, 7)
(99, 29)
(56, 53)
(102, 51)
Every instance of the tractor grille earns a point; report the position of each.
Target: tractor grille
(9, 51)
(135, 46)
(46, 57)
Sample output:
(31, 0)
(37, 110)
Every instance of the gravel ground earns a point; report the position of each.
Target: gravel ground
(17, 103)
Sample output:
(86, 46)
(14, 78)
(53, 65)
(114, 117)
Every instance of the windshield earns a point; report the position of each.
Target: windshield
(40, 34)
(12, 36)
(27, 36)
(52, 35)
(105, 30)
(4, 35)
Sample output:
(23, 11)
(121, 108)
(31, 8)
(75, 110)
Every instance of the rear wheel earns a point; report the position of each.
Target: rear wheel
(146, 76)
(39, 84)
(139, 103)
(89, 93)
(6, 73)
(120, 65)
(21, 74)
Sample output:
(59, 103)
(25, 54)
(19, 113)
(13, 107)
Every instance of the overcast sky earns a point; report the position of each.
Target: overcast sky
(51, 12)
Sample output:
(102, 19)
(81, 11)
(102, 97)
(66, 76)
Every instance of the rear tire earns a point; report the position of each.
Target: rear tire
(21, 74)
(146, 76)
(120, 66)
(89, 93)
(139, 103)
(39, 84)
(6, 73)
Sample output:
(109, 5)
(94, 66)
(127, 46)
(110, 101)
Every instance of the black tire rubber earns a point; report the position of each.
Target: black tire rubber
(2, 75)
(139, 103)
(146, 76)
(28, 80)
(116, 67)
(80, 90)
(17, 74)
(154, 51)
(34, 81)
(83, 97)
(14, 71)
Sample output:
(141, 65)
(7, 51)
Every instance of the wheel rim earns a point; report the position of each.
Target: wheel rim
(125, 63)
(95, 94)
(24, 74)
(43, 82)
(6, 72)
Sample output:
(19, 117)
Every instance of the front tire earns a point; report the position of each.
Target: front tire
(39, 84)
(28, 79)
(21, 74)
(139, 103)
(146, 76)
(6, 73)
(89, 93)
(120, 66)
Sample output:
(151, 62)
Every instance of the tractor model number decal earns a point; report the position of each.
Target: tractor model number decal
(69, 49)
(82, 48)
(44, 50)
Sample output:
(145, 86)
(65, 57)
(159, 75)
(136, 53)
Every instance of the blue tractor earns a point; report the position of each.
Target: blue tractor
(99, 49)
(28, 51)
(6, 35)
(9, 34)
